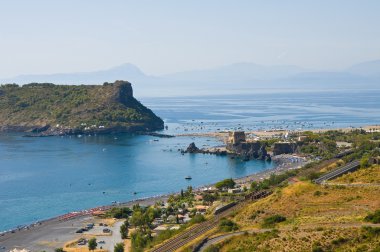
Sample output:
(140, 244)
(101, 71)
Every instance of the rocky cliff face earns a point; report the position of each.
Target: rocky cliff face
(68, 109)
(284, 148)
(250, 150)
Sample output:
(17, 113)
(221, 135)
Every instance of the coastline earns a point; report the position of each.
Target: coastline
(279, 167)
(271, 133)
(282, 165)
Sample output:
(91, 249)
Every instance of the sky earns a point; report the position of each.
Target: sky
(166, 36)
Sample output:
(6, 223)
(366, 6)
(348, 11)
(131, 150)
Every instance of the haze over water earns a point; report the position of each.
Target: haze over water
(45, 177)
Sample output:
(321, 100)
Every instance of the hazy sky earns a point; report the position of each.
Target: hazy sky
(163, 36)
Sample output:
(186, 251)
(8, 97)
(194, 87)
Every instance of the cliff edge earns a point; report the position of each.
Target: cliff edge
(49, 109)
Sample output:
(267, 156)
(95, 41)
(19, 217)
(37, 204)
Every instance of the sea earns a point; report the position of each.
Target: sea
(44, 177)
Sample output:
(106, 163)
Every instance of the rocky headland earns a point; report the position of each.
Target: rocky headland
(45, 109)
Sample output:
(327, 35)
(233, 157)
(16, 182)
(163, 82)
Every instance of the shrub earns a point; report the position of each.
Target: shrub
(374, 218)
(212, 248)
(226, 225)
(272, 220)
(198, 218)
(227, 183)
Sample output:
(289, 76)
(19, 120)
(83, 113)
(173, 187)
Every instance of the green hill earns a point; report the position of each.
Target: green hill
(50, 109)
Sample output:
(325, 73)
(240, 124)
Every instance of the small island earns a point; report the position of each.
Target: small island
(45, 109)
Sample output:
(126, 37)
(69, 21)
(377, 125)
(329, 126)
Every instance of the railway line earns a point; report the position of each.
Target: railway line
(198, 230)
(338, 172)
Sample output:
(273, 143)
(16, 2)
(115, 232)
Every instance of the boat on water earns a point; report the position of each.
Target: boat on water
(188, 177)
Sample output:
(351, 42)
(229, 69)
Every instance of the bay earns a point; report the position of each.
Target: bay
(45, 177)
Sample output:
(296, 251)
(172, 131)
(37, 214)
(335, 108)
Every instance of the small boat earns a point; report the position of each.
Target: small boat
(188, 177)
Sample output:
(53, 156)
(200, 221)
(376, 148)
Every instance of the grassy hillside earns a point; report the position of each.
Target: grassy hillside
(313, 217)
(50, 107)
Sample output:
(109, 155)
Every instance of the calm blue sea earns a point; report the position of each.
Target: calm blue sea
(44, 177)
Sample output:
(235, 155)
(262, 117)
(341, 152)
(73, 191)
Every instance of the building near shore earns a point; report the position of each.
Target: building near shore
(236, 137)
(239, 146)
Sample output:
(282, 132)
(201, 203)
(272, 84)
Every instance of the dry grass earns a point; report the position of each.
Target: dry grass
(71, 246)
(332, 166)
(127, 245)
(331, 239)
(307, 204)
(364, 175)
(329, 217)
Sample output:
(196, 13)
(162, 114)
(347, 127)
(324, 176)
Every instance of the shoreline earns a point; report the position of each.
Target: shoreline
(271, 133)
(280, 166)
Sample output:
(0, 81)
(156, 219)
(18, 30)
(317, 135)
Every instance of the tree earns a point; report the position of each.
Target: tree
(209, 198)
(226, 225)
(59, 250)
(124, 230)
(92, 244)
(225, 184)
(119, 247)
(364, 161)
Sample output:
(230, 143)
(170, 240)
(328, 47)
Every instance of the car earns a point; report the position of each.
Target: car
(106, 230)
(101, 242)
(91, 225)
(79, 231)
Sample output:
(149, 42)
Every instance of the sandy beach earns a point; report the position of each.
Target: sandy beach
(55, 232)
(52, 233)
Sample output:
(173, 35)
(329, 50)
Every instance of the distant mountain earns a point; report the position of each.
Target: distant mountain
(229, 79)
(369, 69)
(239, 72)
(122, 72)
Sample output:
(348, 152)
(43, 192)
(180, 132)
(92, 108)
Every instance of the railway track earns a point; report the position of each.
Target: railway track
(194, 232)
(198, 230)
(338, 172)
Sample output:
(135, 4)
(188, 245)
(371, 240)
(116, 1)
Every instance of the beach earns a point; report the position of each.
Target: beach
(55, 232)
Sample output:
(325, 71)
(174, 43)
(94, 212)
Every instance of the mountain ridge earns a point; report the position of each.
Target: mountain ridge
(221, 80)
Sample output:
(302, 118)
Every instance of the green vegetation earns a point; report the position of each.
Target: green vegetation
(124, 230)
(119, 247)
(198, 218)
(355, 239)
(273, 180)
(59, 250)
(178, 201)
(92, 244)
(225, 184)
(324, 145)
(119, 213)
(272, 220)
(64, 107)
(374, 218)
(226, 225)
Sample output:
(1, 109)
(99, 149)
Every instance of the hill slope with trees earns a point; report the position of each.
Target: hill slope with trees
(50, 109)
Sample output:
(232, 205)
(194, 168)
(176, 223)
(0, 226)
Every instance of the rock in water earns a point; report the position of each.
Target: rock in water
(192, 148)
